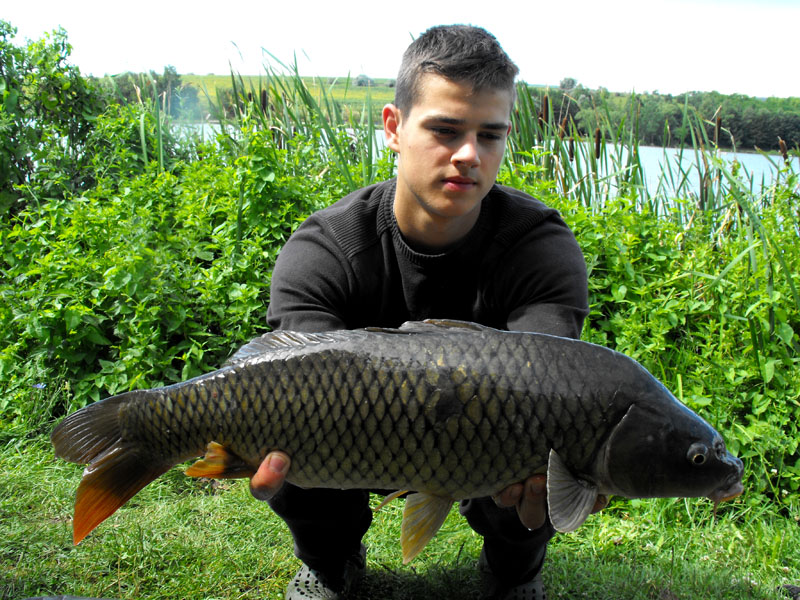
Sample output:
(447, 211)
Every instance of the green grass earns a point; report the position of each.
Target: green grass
(182, 538)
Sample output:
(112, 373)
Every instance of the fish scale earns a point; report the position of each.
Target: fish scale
(448, 410)
(302, 435)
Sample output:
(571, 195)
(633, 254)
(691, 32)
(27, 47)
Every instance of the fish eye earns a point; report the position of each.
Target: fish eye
(697, 454)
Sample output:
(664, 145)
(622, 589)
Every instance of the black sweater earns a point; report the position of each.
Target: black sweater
(348, 266)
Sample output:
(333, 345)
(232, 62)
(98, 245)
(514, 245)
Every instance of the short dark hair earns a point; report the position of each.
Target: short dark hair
(461, 53)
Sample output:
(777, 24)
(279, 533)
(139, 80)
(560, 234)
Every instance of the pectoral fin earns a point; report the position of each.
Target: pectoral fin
(220, 463)
(569, 500)
(422, 518)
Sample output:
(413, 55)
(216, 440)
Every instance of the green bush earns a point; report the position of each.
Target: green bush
(47, 110)
(147, 280)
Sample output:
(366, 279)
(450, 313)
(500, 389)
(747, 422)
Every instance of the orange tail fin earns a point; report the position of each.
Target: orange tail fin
(108, 483)
(116, 469)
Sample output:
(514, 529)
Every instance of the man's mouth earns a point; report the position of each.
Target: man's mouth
(459, 183)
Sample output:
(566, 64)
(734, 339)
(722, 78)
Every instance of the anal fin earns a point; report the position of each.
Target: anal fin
(220, 463)
(422, 518)
(389, 498)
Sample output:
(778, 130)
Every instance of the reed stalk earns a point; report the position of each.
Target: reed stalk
(284, 104)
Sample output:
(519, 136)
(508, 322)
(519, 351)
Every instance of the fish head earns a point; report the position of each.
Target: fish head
(663, 449)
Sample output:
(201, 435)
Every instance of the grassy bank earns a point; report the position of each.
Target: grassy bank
(182, 538)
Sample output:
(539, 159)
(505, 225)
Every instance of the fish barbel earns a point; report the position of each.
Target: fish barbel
(447, 410)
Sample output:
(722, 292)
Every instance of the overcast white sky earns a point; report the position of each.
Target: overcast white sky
(670, 46)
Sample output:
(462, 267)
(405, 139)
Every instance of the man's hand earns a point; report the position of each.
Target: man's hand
(530, 498)
(270, 475)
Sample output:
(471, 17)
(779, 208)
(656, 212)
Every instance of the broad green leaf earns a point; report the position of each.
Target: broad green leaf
(96, 337)
(785, 332)
(769, 370)
(72, 318)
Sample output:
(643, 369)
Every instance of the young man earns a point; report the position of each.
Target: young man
(441, 240)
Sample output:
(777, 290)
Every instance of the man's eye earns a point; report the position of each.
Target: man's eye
(443, 130)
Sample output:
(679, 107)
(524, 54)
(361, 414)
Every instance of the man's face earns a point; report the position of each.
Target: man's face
(449, 148)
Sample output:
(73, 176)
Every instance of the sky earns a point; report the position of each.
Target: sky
(668, 46)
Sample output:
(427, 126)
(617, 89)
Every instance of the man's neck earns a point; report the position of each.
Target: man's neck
(431, 233)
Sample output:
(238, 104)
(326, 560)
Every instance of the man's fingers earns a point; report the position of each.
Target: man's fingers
(532, 508)
(530, 499)
(510, 496)
(270, 475)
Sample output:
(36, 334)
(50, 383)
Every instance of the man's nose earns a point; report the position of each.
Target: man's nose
(467, 152)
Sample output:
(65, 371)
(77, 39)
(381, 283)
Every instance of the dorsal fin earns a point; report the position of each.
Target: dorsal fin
(455, 324)
(429, 325)
(281, 340)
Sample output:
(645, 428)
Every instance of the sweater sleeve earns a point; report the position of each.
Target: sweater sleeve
(309, 283)
(546, 282)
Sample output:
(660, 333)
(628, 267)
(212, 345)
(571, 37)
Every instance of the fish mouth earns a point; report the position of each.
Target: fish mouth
(729, 492)
(732, 487)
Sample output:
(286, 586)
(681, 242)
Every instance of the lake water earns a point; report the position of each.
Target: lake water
(756, 167)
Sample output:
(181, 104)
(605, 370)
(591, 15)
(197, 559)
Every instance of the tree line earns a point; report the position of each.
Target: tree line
(178, 99)
(733, 121)
(49, 110)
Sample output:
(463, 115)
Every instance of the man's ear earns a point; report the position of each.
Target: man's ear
(391, 124)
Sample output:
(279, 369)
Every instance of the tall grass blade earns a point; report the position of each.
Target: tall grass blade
(143, 136)
(159, 132)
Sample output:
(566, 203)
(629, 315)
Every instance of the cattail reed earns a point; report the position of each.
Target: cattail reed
(597, 137)
(784, 150)
(544, 114)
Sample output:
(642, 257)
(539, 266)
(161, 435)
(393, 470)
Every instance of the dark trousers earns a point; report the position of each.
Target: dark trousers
(327, 527)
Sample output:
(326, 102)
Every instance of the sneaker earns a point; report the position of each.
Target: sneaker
(494, 589)
(310, 584)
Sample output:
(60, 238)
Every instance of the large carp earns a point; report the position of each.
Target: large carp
(448, 410)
